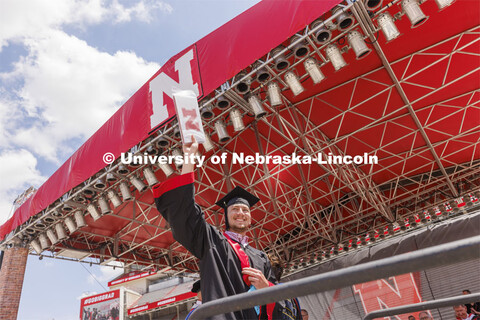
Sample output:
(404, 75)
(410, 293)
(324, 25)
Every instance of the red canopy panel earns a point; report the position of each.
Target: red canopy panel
(216, 58)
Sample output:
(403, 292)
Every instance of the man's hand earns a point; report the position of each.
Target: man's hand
(189, 149)
(256, 277)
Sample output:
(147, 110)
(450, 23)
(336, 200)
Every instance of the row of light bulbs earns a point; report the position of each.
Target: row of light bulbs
(57, 232)
(344, 20)
(413, 221)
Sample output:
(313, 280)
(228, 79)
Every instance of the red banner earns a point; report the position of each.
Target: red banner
(131, 278)
(163, 302)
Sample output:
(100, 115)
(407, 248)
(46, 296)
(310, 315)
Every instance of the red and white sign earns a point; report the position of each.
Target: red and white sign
(388, 293)
(160, 303)
(104, 305)
(131, 278)
(165, 84)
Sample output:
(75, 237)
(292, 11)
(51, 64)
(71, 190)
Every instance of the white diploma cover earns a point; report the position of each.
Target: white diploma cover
(188, 116)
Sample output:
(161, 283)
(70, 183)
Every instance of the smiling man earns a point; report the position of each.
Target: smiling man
(228, 264)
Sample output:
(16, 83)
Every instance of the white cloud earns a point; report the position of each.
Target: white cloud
(63, 89)
(106, 273)
(71, 89)
(142, 11)
(18, 172)
(21, 19)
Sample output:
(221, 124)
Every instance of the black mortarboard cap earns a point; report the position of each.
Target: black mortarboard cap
(237, 195)
(196, 286)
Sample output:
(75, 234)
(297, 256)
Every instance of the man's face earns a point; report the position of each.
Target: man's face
(461, 312)
(465, 292)
(424, 316)
(304, 315)
(239, 217)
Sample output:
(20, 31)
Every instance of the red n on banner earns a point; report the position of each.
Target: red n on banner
(387, 293)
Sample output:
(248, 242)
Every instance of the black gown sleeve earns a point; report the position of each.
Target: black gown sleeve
(175, 200)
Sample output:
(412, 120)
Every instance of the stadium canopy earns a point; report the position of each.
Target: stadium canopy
(401, 83)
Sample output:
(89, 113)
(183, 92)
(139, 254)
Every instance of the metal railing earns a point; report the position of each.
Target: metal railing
(447, 302)
(440, 255)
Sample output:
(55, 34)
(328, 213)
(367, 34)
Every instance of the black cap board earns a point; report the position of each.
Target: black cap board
(236, 196)
(196, 286)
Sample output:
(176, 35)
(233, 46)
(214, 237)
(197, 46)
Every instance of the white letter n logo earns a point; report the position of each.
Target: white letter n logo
(163, 84)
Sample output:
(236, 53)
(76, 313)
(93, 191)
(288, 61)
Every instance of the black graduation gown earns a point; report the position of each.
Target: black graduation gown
(220, 268)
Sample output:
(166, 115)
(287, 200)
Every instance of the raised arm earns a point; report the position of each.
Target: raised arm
(175, 200)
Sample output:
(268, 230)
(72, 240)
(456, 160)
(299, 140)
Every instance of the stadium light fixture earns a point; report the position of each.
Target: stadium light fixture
(65, 208)
(344, 19)
(92, 209)
(256, 106)
(313, 70)
(208, 144)
(49, 219)
(70, 224)
(323, 34)
(111, 177)
(150, 176)
(104, 206)
(99, 184)
(454, 206)
(237, 120)
(274, 94)
(221, 130)
(44, 244)
(468, 200)
(387, 24)
(79, 198)
(442, 4)
(125, 191)
(281, 63)
(327, 254)
(293, 83)
(335, 57)
(262, 74)
(412, 221)
(176, 153)
(79, 219)
(358, 45)
(300, 49)
(166, 168)
(244, 85)
(138, 184)
(61, 233)
(151, 151)
(162, 143)
(36, 246)
(206, 113)
(122, 170)
(413, 12)
(373, 4)
(87, 192)
(52, 236)
(223, 103)
(114, 198)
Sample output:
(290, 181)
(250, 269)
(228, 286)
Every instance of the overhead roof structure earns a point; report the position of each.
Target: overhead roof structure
(412, 102)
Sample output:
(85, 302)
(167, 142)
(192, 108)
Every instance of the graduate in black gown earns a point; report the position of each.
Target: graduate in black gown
(221, 270)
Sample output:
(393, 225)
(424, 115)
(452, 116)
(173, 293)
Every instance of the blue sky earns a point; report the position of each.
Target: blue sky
(65, 67)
